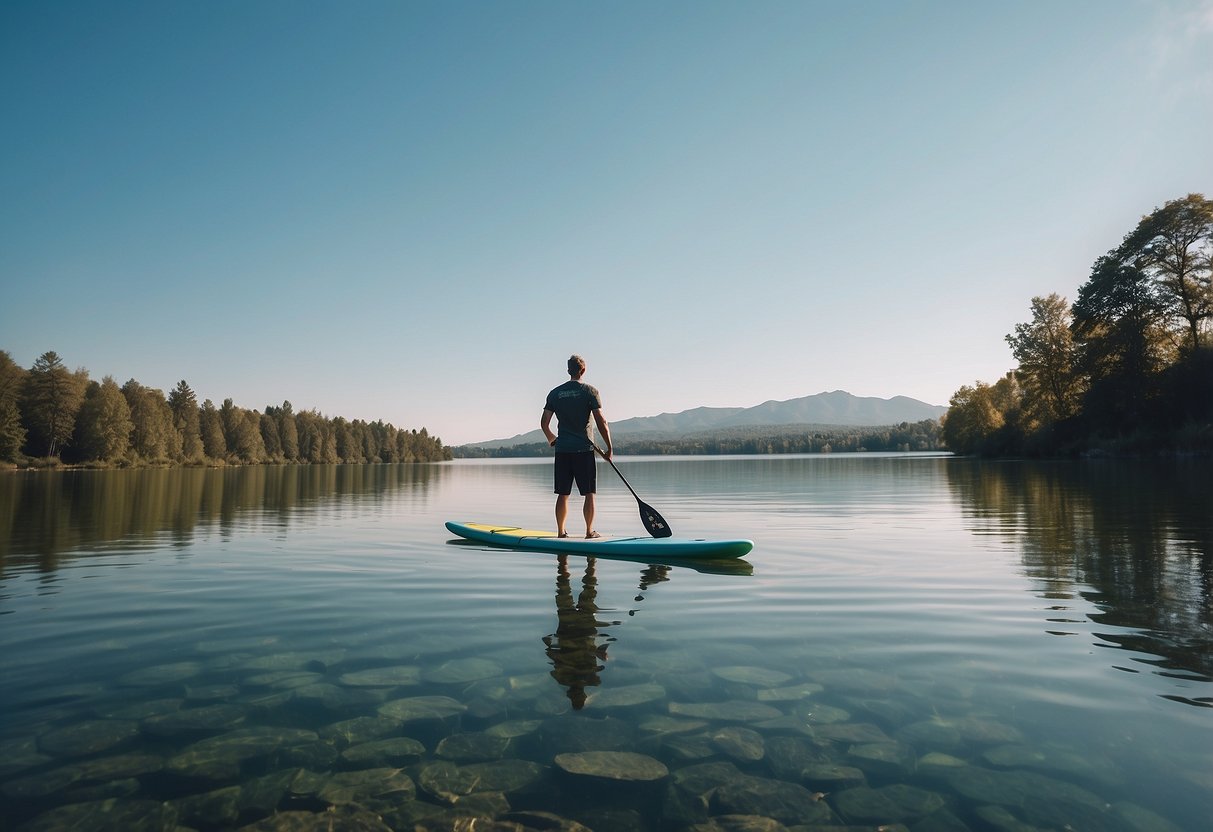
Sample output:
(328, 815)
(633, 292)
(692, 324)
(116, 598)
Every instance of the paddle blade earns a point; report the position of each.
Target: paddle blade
(654, 523)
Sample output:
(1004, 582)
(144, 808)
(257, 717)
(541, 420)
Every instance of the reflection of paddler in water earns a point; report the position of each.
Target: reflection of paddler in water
(576, 655)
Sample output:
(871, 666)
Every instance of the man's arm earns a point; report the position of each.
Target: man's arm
(604, 430)
(545, 425)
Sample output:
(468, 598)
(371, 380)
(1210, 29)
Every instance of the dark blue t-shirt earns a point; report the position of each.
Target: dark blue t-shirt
(574, 403)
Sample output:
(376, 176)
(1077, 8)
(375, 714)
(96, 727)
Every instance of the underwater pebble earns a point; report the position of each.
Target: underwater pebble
(394, 751)
(733, 711)
(896, 803)
(788, 803)
(383, 677)
(161, 674)
(422, 707)
(761, 677)
(612, 765)
(627, 696)
(463, 671)
(90, 736)
(739, 743)
(475, 747)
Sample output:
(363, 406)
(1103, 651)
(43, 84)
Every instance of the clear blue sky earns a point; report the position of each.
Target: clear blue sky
(416, 211)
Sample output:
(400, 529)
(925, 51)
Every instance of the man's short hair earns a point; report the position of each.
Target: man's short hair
(576, 365)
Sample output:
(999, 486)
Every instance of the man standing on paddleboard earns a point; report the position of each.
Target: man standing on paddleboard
(573, 403)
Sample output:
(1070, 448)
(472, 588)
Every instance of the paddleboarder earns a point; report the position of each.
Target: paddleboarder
(573, 404)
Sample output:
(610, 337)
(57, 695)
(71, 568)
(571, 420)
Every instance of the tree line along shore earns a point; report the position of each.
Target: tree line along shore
(753, 440)
(51, 416)
(1126, 369)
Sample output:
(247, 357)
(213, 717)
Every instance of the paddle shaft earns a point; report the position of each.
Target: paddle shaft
(653, 522)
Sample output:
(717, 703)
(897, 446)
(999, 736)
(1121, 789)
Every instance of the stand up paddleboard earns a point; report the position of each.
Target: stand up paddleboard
(662, 548)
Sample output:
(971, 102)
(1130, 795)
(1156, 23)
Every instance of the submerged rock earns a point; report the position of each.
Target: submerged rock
(660, 725)
(788, 756)
(985, 731)
(585, 734)
(92, 736)
(732, 711)
(1001, 819)
(113, 815)
(161, 674)
(897, 803)
(514, 728)
(346, 818)
(888, 759)
(792, 693)
(383, 677)
(469, 748)
(463, 671)
(739, 743)
(818, 713)
(450, 783)
(336, 698)
(627, 696)
(283, 679)
(218, 808)
(394, 751)
(211, 693)
(1020, 788)
(690, 747)
(373, 788)
(739, 823)
(856, 680)
(852, 732)
(206, 719)
(422, 707)
(317, 662)
(788, 803)
(689, 789)
(612, 765)
(221, 757)
(141, 709)
(544, 821)
(832, 776)
(359, 730)
(759, 677)
(1050, 758)
(938, 765)
(21, 754)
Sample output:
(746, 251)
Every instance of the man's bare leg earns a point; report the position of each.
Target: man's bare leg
(562, 512)
(587, 510)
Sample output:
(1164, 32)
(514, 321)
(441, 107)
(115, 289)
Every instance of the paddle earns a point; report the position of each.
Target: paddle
(653, 522)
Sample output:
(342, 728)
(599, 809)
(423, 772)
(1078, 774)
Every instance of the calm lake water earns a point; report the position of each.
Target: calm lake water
(938, 643)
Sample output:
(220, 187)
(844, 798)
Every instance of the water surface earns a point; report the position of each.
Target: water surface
(935, 642)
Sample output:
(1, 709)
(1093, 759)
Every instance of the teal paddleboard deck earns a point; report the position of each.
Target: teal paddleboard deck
(660, 549)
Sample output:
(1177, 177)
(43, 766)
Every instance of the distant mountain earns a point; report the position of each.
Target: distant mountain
(836, 408)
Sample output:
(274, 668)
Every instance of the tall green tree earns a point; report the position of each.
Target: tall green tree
(288, 431)
(103, 427)
(249, 446)
(1048, 369)
(186, 420)
(1173, 246)
(231, 417)
(1120, 325)
(270, 438)
(153, 436)
(984, 418)
(214, 445)
(12, 432)
(53, 396)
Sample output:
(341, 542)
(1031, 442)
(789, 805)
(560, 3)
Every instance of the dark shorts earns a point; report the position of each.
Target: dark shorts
(577, 467)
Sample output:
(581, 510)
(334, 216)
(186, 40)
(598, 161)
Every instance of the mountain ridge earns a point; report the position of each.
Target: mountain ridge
(836, 407)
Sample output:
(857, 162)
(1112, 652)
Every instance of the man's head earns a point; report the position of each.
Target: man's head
(576, 366)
